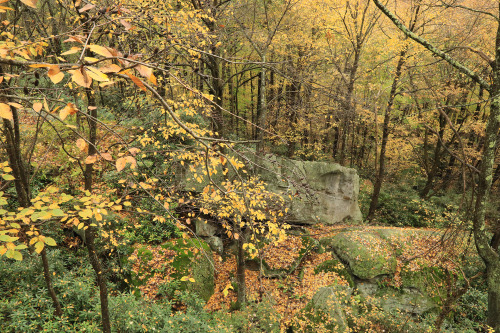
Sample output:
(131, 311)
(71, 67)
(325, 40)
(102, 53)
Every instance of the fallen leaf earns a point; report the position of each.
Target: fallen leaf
(5, 111)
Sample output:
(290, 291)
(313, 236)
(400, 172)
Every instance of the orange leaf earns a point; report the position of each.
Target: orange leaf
(72, 50)
(80, 77)
(134, 151)
(132, 161)
(126, 24)
(113, 68)
(69, 109)
(107, 156)
(5, 111)
(16, 105)
(73, 39)
(91, 159)
(137, 81)
(144, 71)
(55, 74)
(37, 106)
(82, 145)
(86, 7)
(121, 163)
(39, 65)
(101, 50)
(30, 3)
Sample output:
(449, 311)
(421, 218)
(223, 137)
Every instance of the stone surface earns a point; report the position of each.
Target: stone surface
(215, 244)
(366, 254)
(370, 256)
(322, 192)
(205, 228)
(410, 300)
(326, 306)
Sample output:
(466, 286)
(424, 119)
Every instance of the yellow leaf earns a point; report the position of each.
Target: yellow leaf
(184, 278)
(90, 59)
(82, 145)
(16, 105)
(91, 159)
(113, 68)
(97, 74)
(30, 3)
(37, 106)
(5, 111)
(50, 241)
(46, 105)
(72, 50)
(191, 280)
(225, 292)
(101, 50)
(39, 246)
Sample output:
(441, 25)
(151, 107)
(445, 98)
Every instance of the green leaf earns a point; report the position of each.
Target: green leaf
(57, 212)
(8, 177)
(7, 238)
(17, 255)
(50, 241)
(21, 247)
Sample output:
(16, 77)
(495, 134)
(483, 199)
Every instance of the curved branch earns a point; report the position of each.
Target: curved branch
(437, 52)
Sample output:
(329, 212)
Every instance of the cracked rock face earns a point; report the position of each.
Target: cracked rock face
(320, 192)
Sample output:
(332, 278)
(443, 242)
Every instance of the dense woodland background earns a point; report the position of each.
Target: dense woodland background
(105, 105)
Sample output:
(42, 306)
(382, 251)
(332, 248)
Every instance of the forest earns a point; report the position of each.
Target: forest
(249, 166)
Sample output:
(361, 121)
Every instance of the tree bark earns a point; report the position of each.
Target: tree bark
(385, 135)
(48, 282)
(89, 232)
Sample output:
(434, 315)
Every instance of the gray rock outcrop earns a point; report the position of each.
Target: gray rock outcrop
(316, 192)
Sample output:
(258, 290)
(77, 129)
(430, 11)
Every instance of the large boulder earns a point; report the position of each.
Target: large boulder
(322, 192)
(398, 269)
(366, 254)
(326, 310)
(316, 192)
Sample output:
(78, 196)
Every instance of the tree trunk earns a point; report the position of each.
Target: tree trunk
(493, 279)
(21, 182)
(48, 282)
(240, 272)
(261, 107)
(436, 161)
(89, 232)
(385, 135)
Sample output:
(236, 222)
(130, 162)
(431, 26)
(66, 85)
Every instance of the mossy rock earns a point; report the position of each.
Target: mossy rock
(334, 265)
(193, 259)
(409, 300)
(325, 311)
(366, 254)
